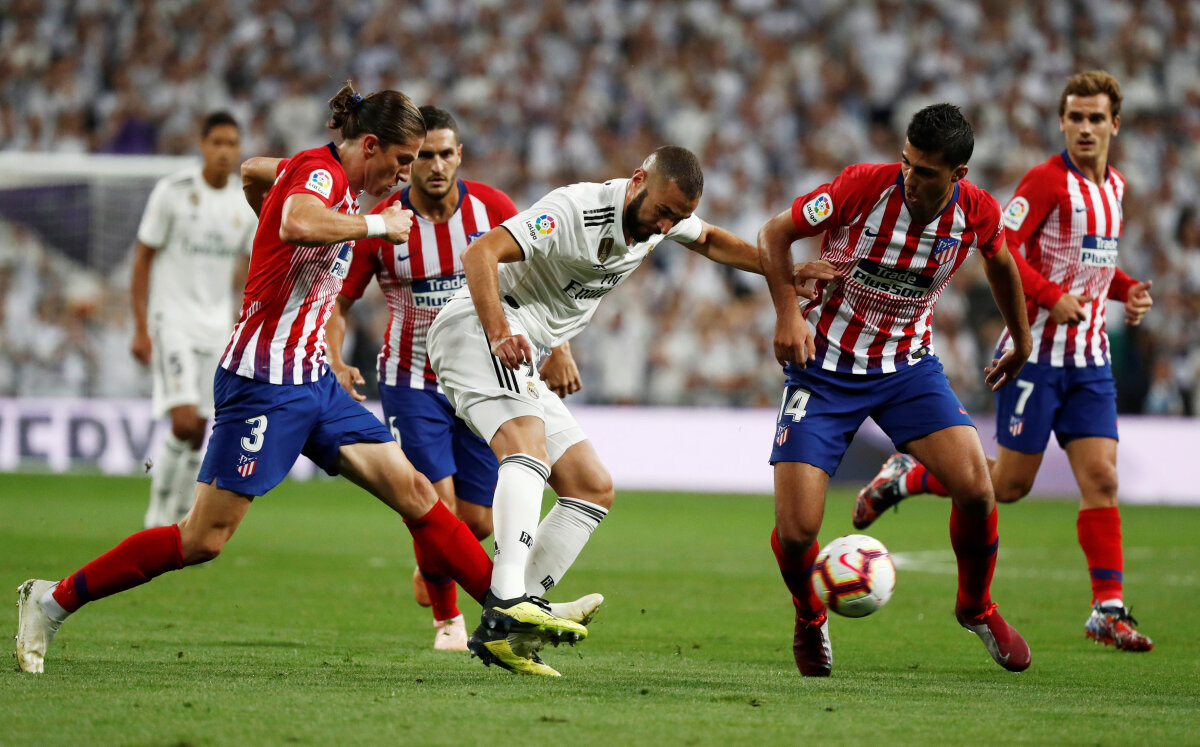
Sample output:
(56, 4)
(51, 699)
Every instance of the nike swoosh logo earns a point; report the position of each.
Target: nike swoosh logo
(1082, 209)
(873, 234)
(402, 258)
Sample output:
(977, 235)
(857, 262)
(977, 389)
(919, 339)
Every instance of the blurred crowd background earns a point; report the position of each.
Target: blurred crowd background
(776, 96)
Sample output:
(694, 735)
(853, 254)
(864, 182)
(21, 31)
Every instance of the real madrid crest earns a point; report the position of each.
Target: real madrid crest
(531, 387)
(605, 250)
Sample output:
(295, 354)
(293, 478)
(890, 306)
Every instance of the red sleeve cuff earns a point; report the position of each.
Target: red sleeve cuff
(1118, 289)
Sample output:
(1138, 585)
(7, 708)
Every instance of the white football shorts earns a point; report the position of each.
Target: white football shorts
(483, 392)
(183, 372)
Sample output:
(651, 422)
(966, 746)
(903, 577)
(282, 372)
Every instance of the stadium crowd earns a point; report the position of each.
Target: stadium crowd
(775, 96)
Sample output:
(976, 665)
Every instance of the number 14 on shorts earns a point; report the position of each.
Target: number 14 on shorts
(794, 402)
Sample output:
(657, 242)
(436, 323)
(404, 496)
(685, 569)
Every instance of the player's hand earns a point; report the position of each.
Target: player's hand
(398, 221)
(802, 272)
(513, 351)
(1138, 303)
(560, 372)
(1004, 369)
(793, 340)
(350, 378)
(142, 347)
(1069, 309)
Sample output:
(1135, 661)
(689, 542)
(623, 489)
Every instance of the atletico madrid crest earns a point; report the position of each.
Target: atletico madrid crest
(246, 465)
(1016, 425)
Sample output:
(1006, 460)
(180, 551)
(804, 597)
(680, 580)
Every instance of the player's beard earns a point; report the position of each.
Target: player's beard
(636, 230)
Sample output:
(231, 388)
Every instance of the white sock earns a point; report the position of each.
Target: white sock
(515, 511)
(560, 539)
(184, 491)
(1112, 603)
(51, 606)
(171, 458)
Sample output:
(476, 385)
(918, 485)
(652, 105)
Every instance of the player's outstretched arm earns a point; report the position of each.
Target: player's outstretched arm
(793, 337)
(258, 174)
(306, 221)
(481, 262)
(723, 246)
(335, 334)
(1005, 281)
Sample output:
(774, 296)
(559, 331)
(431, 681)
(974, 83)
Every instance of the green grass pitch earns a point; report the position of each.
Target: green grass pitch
(304, 632)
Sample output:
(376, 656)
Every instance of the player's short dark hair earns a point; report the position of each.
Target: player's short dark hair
(1092, 83)
(942, 128)
(438, 119)
(390, 116)
(680, 165)
(217, 119)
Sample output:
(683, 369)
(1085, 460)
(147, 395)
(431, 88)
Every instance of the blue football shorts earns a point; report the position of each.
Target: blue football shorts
(822, 410)
(1074, 402)
(440, 444)
(260, 429)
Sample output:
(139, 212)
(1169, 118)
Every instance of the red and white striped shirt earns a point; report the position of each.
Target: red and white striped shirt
(876, 317)
(1069, 227)
(421, 275)
(280, 336)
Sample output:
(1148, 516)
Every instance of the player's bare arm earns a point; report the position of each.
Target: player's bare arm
(481, 261)
(1005, 281)
(258, 174)
(307, 222)
(793, 337)
(335, 334)
(560, 372)
(722, 246)
(139, 291)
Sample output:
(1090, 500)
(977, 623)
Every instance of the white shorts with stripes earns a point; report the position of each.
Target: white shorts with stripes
(484, 393)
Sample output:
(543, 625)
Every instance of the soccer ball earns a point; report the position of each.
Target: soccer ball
(854, 575)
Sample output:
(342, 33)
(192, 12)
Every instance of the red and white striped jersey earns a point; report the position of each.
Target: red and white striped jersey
(421, 275)
(280, 336)
(876, 317)
(1069, 227)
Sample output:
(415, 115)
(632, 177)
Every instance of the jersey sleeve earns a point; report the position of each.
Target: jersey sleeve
(991, 227)
(834, 204)
(1118, 289)
(156, 219)
(1036, 286)
(552, 226)
(363, 266)
(306, 174)
(1024, 213)
(686, 231)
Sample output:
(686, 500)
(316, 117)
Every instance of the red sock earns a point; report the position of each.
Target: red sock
(975, 540)
(443, 592)
(1100, 537)
(135, 561)
(448, 547)
(919, 480)
(797, 574)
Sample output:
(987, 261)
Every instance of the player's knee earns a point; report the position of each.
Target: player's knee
(1011, 491)
(599, 489)
(796, 540)
(975, 492)
(203, 546)
(1101, 485)
(480, 526)
(188, 428)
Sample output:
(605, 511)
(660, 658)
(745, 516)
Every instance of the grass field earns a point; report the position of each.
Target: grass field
(304, 632)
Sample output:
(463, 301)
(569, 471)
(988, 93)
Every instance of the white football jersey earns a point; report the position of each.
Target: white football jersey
(197, 232)
(575, 253)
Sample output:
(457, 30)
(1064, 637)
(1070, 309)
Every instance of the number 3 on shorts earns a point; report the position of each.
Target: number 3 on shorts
(258, 427)
(795, 403)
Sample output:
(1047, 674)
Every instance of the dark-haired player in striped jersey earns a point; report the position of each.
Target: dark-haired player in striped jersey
(1066, 215)
(864, 348)
(417, 278)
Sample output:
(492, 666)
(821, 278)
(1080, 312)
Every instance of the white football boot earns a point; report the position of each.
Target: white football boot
(451, 635)
(35, 629)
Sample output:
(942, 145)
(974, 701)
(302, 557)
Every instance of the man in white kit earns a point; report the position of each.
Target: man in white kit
(193, 247)
(533, 283)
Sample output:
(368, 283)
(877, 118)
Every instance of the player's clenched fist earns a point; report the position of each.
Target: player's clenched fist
(513, 350)
(398, 222)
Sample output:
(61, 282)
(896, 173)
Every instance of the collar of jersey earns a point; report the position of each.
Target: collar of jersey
(1066, 158)
(333, 149)
(406, 202)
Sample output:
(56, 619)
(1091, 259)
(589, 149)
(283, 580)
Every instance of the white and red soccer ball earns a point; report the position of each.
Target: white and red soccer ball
(854, 575)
